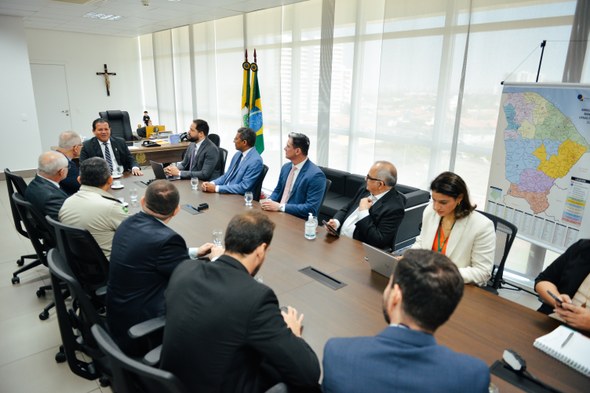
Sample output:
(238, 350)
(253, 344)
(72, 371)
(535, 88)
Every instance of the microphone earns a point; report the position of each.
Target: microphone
(516, 363)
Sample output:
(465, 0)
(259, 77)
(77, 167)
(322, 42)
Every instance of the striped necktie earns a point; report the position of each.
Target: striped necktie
(107, 155)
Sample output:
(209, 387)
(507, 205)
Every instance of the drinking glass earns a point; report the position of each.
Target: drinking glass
(133, 196)
(217, 237)
(195, 183)
(120, 169)
(248, 197)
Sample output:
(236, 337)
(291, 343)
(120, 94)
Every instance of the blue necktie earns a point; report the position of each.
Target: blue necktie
(234, 170)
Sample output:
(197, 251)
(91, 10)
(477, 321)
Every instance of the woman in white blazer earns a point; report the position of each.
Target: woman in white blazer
(453, 228)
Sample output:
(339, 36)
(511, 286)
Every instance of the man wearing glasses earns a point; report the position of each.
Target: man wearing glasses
(70, 145)
(301, 185)
(43, 191)
(375, 213)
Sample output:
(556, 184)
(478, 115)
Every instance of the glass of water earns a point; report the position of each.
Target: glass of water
(133, 196)
(195, 183)
(248, 197)
(217, 237)
(120, 169)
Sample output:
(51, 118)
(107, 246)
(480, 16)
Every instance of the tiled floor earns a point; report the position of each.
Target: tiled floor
(28, 345)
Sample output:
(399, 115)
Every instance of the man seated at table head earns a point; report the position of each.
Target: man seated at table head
(568, 278)
(93, 207)
(43, 191)
(301, 185)
(144, 254)
(244, 168)
(202, 156)
(112, 149)
(224, 330)
(421, 295)
(375, 213)
(70, 145)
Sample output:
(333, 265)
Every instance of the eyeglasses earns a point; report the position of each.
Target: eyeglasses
(367, 178)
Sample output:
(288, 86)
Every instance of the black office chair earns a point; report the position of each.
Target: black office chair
(119, 123)
(41, 236)
(15, 183)
(74, 320)
(328, 185)
(257, 188)
(215, 139)
(505, 235)
(222, 160)
(85, 258)
(130, 375)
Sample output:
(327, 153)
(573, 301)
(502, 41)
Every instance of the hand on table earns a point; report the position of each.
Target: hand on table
(136, 171)
(208, 187)
(270, 205)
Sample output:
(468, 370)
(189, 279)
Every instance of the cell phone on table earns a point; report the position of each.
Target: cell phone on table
(330, 229)
(554, 296)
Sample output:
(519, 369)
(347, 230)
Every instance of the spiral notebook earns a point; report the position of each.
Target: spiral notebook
(567, 346)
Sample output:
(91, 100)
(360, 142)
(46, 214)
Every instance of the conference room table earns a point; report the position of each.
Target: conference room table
(483, 324)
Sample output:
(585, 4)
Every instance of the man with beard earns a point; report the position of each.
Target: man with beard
(421, 295)
(224, 330)
(201, 158)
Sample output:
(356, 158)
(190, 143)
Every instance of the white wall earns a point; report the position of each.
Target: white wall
(20, 142)
(83, 55)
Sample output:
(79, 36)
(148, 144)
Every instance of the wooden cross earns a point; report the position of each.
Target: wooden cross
(107, 82)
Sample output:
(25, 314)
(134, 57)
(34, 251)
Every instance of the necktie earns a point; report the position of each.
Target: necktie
(194, 158)
(234, 170)
(107, 155)
(287, 191)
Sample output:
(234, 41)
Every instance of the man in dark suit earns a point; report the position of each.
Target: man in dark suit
(422, 293)
(70, 145)
(224, 330)
(112, 149)
(301, 185)
(202, 156)
(244, 169)
(43, 191)
(376, 211)
(145, 251)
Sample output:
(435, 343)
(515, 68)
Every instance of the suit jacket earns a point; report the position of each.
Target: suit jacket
(145, 251)
(246, 176)
(307, 192)
(204, 165)
(221, 325)
(379, 228)
(91, 148)
(399, 360)
(45, 197)
(70, 184)
(471, 245)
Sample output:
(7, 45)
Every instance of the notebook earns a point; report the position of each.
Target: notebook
(380, 261)
(159, 173)
(567, 346)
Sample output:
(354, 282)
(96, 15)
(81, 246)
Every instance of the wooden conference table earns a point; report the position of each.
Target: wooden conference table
(483, 325)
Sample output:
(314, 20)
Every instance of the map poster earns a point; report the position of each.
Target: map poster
(540, 172)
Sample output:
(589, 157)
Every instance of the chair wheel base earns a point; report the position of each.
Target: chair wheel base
(40, 292)
(104, 382)
(44, 315)
(15, 280)
(60, 357)
(20, 261)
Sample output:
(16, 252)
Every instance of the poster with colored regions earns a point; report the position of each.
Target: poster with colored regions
(540, 173)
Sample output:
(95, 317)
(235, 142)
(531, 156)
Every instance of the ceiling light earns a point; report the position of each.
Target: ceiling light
(96, 15)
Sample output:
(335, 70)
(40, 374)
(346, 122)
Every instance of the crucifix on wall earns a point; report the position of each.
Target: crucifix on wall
(107, 81)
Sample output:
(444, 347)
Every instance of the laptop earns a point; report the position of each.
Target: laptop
(158, 169)
(380, 261)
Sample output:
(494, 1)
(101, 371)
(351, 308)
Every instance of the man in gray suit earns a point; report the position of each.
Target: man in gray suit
(202, 156)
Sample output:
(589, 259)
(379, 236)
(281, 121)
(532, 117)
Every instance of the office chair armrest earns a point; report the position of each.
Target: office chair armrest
(101, 292)
(148, 327)
(152, 358)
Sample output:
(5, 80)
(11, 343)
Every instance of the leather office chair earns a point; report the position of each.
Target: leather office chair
(257, 188)
(74, 320)
(119, 123)
(215, 139)
(328, 185)
(505, 235)
(130, 375)
(41, 236)
(222, 159)
(15, 183)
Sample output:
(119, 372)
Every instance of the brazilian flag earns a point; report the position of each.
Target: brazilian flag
(255, 115)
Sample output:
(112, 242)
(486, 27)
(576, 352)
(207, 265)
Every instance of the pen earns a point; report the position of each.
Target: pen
(567, 339)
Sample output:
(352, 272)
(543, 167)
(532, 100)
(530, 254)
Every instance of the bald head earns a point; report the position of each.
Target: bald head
(53, 165)
(385, 171)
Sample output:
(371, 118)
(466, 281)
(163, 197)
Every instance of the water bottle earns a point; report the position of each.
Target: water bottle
(310, 227)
